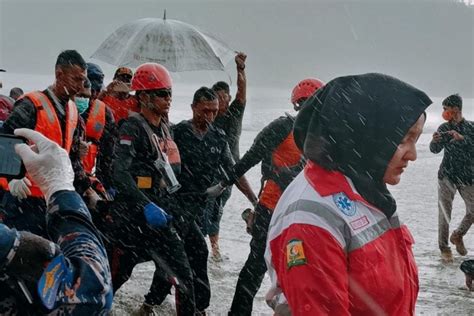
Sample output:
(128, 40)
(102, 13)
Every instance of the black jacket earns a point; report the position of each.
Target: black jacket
(134, 160)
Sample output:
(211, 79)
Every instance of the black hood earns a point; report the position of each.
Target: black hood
(354, 124)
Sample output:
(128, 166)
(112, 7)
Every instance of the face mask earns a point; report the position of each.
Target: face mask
(82, 104)
(448, 115)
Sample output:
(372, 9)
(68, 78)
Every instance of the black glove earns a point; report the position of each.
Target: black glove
(31, 257)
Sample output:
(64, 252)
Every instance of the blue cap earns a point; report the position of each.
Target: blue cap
(96, 76)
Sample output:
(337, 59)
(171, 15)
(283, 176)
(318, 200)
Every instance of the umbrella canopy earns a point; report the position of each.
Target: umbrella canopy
(174, 44)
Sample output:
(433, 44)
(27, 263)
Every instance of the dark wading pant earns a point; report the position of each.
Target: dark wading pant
(197, 253)
(131, 242)
(251, 275)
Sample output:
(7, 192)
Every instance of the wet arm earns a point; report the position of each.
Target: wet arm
(81, 179)
(265, 143)
(436, 147)
(22, 116)
(70, 225)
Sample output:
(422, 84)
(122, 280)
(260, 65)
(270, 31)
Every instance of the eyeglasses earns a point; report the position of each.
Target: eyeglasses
(161, 93)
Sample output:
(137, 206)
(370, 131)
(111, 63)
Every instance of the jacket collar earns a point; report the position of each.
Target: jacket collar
(327, 182)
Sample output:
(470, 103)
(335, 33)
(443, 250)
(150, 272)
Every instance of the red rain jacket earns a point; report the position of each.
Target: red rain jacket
(332, 253)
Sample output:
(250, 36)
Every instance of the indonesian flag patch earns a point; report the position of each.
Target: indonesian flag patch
(126, 140)
(295, 253)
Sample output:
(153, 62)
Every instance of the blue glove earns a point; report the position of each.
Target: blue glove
(112, 192)
(155, 216)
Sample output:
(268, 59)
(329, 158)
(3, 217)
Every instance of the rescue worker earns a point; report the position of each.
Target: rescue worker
(204, 153)
(336, 245)
(117, 95)
(6, 107)
(16, 93)
(229, 119)
(68, 275)
(144, 166)
(100, 133)
(281, 161)
(123, 74)
(52, 113)
(456, 174)
(6, 104)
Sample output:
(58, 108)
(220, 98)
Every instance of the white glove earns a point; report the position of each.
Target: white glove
(20, 188)
(215, 190)
(49, 167)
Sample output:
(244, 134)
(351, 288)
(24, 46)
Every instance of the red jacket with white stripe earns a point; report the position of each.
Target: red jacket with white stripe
(332, 253)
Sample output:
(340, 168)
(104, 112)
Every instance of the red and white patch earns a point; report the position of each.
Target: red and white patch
(359, 223)
(126, 140)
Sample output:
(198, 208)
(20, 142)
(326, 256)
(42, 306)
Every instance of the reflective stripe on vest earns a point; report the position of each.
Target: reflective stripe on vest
(96, 121)
(47, 123)
(94, 131)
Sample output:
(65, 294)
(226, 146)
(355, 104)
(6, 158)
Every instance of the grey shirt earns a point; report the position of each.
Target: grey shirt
(231, 123)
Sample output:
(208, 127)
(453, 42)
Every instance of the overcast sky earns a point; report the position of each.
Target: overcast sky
(427, 43)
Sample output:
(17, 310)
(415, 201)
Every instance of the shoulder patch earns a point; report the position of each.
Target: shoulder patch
(344, 204)
(55, 275)
(295, 253)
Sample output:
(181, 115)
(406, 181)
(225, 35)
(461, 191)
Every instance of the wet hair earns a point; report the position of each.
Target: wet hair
(16, 92)
(204, 94)
(453, 101)
(87, 83)
(221, 85)
(70, 58)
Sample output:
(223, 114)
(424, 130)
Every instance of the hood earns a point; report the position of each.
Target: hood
(354, 125)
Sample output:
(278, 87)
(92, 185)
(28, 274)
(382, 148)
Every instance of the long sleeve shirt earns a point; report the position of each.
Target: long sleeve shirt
(70, 225)
(458, 159)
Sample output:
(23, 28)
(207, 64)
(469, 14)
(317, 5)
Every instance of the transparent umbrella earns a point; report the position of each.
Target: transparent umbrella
(174, 44)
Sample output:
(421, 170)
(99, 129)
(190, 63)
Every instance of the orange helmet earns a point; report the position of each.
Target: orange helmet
(151, 76)
(305, 88)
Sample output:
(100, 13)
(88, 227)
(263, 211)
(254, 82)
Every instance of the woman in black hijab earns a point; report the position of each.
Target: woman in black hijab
(335, 244)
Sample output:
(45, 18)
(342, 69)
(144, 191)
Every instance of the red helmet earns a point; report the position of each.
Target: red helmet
(151, 76)
(305, 88)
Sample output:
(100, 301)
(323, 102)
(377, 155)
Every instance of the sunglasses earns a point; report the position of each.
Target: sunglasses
(161, 93)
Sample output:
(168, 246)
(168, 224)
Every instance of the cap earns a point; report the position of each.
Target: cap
(118, 86)
(123, 71)
(96, 76)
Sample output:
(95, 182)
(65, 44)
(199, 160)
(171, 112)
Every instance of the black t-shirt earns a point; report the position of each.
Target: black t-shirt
(231, 123)
(204, 158)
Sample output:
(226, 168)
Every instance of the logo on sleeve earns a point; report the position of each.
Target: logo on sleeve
(295, 253)
(344, 204)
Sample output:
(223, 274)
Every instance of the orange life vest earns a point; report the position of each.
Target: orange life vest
(48, 124)
(94, 130)
(284, 157)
